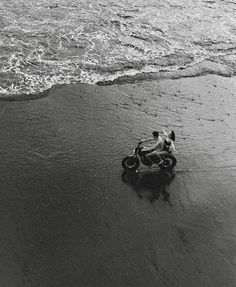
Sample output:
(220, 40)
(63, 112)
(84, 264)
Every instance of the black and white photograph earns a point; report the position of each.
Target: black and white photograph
(118, 143)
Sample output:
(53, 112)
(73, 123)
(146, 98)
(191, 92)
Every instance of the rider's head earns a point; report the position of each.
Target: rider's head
(155, 134)
(172, 135)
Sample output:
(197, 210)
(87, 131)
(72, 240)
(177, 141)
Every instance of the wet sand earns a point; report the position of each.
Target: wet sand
(71, 217)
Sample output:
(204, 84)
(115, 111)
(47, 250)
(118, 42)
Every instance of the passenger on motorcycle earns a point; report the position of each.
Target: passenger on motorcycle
(167, 144)
(155, 148)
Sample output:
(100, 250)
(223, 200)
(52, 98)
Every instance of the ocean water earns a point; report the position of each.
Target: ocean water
(43, 43)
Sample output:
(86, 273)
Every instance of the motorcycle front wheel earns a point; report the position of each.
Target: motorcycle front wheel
(130, 163)
(169, 162)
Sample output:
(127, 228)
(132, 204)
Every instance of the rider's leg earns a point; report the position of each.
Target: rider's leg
(159, 154)
(156, 153)
(148, 156)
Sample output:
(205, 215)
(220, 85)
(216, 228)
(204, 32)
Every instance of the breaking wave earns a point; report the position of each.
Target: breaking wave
(43, 44)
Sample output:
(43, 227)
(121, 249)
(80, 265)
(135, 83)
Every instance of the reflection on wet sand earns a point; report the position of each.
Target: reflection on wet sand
(150, 184)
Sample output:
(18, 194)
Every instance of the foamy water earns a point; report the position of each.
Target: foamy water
(44, 43)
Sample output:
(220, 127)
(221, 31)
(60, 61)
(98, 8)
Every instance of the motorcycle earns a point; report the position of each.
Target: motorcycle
(132, 162)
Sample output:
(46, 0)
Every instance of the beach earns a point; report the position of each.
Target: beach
(70, 216)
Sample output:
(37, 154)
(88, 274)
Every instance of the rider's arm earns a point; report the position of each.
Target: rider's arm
(165, 133)
(147, 140)
(149, 149)
(173, 147)
(156, 146)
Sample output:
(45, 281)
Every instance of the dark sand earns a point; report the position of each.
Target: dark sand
(70, 217)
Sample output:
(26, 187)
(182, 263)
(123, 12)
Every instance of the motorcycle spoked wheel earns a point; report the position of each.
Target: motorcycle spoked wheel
(169, 162)
(130, 163)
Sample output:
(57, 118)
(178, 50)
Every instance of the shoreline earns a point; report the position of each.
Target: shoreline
(68, 215)
(205, 68)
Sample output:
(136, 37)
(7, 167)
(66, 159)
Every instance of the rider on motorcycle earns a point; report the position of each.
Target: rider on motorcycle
(161, 149)
(154, 148)
(161, 146)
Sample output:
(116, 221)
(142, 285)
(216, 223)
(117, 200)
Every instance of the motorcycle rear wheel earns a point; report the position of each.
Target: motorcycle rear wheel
(130, 163)
(169, 162)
